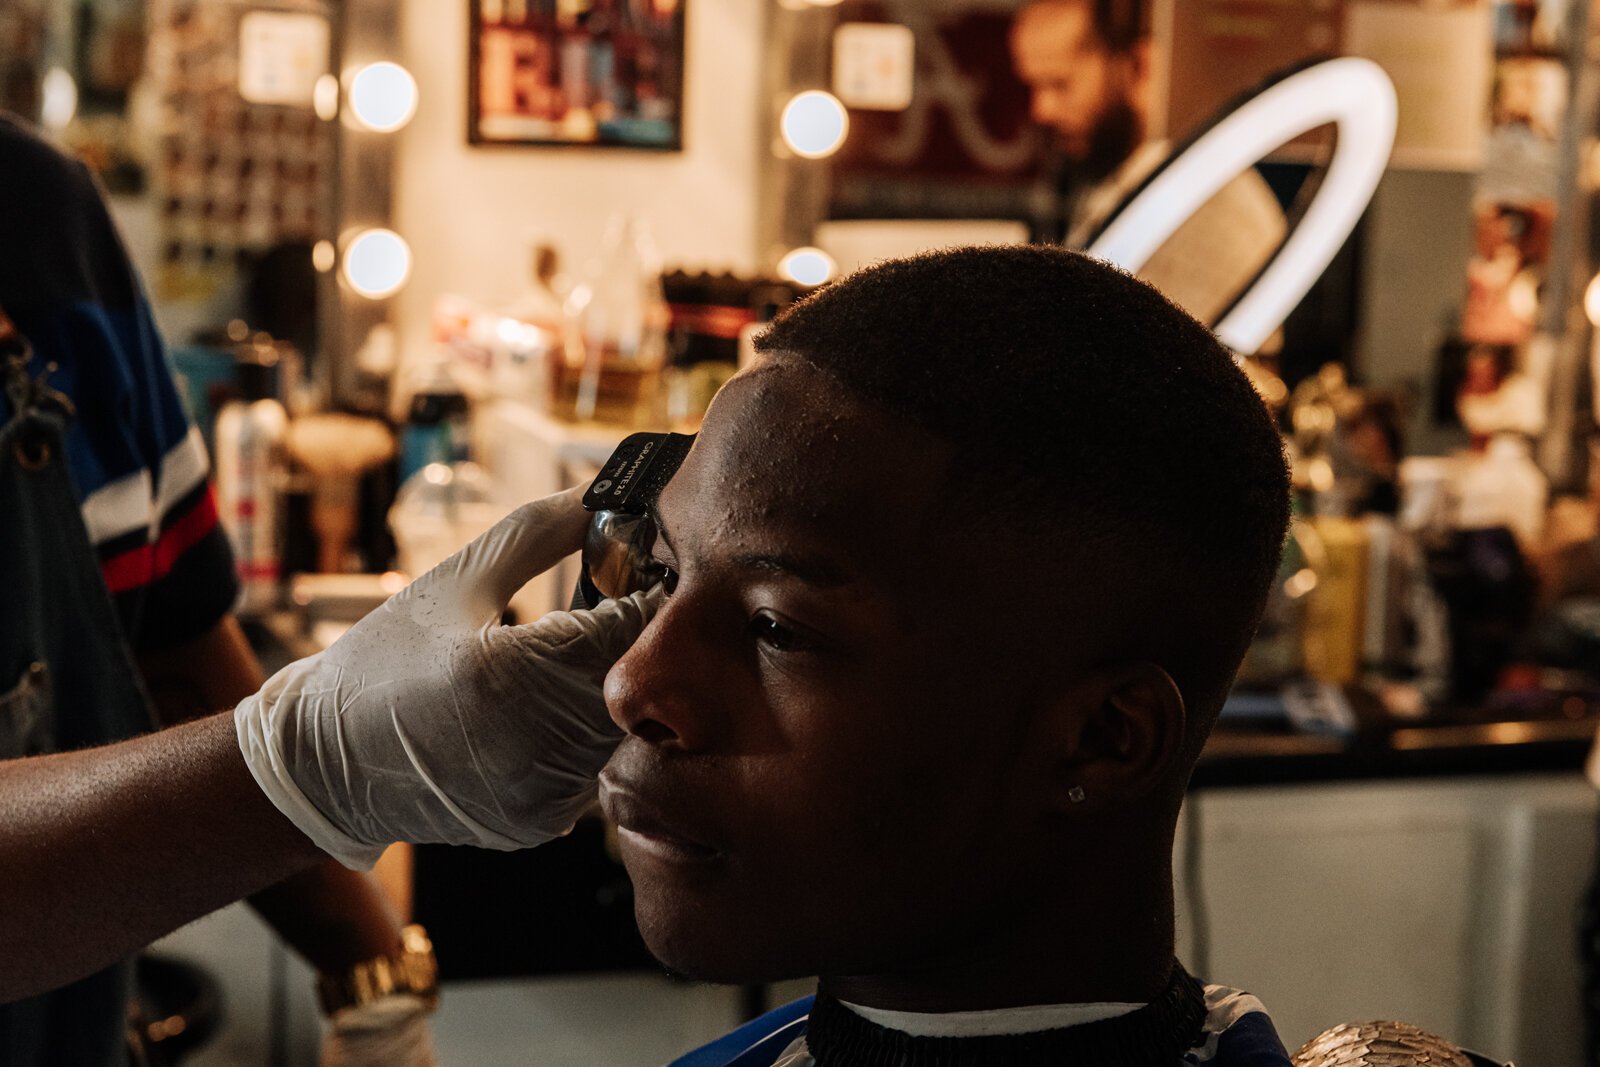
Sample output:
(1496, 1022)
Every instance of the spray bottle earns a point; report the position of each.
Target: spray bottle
(250, 435)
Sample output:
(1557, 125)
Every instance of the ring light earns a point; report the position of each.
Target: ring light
(1353, 93)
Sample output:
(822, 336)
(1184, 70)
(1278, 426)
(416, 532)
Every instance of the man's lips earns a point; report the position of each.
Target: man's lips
(644, 827)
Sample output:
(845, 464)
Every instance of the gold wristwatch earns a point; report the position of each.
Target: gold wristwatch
(411, 972)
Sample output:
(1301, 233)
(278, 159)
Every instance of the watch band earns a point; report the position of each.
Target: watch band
(412, 971)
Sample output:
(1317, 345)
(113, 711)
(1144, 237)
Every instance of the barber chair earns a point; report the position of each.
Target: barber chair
(1385, 1044)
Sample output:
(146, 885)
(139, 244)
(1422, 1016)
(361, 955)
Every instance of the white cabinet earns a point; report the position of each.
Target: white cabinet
(1452, 903)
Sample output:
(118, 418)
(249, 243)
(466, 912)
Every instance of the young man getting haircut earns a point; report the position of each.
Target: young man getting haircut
(957, 576)
(957, 579)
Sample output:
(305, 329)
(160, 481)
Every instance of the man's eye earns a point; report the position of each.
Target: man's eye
(665, 573)
(775, 635)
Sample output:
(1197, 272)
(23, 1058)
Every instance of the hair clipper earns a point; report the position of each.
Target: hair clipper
(622, 498)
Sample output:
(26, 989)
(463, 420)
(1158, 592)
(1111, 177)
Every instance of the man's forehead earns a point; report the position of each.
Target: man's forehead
(787, 451)
(1050, 33)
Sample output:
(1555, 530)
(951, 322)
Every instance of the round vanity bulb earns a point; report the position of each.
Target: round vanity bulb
(1591, 301)
(325, 98)
(807, 266)
(323, 256)
(59, 99)
(383, 97)
(377, 263)
(814, 124)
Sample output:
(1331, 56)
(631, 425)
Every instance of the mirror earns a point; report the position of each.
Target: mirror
(76, 69)
(233, 156)
(1474, 236)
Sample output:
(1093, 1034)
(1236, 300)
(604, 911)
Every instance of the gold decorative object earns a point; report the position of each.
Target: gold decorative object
(1379, 1044)
(412, 971)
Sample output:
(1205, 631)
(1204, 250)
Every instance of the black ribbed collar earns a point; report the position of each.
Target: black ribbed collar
(1156, 1035)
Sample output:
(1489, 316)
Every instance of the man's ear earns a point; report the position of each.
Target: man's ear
(1114, 738)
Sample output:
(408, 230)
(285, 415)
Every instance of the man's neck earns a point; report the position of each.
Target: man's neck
(1076, 951)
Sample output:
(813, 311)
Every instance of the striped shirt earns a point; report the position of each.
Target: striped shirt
(136, 460)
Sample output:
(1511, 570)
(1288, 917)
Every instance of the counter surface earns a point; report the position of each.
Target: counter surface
(1469, 743)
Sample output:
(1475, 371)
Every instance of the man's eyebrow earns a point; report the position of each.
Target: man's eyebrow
(813, 570)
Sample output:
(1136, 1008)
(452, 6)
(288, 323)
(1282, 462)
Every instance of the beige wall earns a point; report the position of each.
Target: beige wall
(470, 213)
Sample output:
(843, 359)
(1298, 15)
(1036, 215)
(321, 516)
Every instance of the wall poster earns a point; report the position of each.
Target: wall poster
(576, 72)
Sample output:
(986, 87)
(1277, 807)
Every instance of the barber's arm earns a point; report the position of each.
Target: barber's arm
(427, 722)
(104, 850)
(336, 918)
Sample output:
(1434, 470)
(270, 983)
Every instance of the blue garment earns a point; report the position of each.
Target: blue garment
(1238, 1033)
(65, 682)
(108, 532)
(755, 1044)
(137, 465)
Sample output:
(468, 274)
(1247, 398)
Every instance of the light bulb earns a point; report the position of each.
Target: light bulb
(807, 266)
(814, 124)
(60, 99)
(325, 98)
(323, 256)
(1591, 301)
(377, 263)
(383, 97)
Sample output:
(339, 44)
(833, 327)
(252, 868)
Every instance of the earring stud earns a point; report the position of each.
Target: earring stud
(1075, 794)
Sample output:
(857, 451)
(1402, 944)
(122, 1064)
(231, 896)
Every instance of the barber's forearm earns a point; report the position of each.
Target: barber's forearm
(332, 916)
(104, 850)
(202, 676)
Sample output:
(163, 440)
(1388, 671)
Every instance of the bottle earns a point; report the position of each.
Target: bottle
(529, 334)
(614, 335)
(249, 444)
(1504, 487)
(437, 425)
(1336, 609)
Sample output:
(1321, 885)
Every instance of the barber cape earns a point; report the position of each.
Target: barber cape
(1221, 1027)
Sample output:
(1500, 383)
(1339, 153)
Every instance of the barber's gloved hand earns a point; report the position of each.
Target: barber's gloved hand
(430, 722)
(392, 1032)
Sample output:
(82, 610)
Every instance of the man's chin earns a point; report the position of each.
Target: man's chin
(711, 948)
(719, 964)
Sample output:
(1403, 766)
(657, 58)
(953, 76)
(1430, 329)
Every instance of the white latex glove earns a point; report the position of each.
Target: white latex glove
(430, 722)
(392, 1032)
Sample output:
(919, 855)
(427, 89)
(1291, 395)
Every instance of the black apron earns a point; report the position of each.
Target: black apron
(66, 680)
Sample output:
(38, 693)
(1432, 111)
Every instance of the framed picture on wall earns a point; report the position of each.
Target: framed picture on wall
(599, 73)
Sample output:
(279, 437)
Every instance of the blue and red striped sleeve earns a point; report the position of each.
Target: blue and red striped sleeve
(137, 462)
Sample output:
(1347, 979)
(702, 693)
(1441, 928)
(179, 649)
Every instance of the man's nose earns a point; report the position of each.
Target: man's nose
(661, 691)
